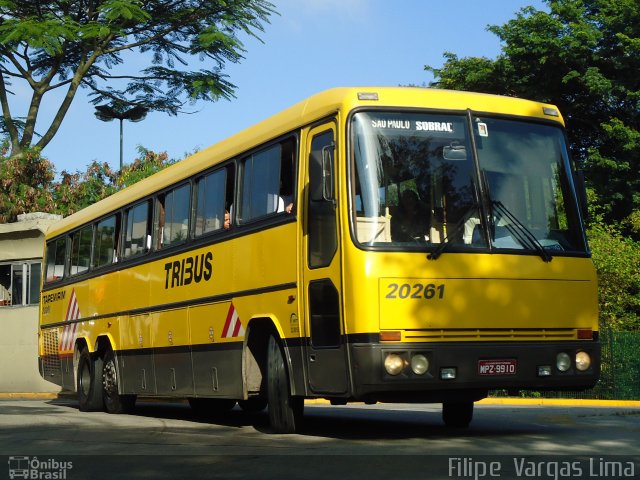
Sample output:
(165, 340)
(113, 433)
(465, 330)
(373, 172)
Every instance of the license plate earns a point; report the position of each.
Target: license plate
(497, 367)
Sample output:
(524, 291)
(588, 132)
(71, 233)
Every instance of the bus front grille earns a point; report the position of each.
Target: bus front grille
(491, 334)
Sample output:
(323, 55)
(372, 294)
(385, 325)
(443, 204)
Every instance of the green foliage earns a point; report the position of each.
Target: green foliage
(582, 55)
(47, 45)
(76, 191)
(145, 165)
(617, 261)
(27, 182)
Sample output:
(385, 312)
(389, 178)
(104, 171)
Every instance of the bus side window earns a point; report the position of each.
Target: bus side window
(104, 251)
(287, 176)
(80, 258)
(260, 184)
(323, 236)
(268, 181)
(56, 254)
(173, 216)
(136, 230)
(211, 201)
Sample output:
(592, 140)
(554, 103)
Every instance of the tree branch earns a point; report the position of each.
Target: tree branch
(66, 103)
(140, 43)
(26, 74)
(6, 113)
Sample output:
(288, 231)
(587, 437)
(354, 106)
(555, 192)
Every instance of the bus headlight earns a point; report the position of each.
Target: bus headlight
(419, 364)
(563, 361)
(393, 364)
(583, 361)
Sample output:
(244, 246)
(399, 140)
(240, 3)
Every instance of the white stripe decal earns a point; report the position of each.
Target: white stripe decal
(69, 332)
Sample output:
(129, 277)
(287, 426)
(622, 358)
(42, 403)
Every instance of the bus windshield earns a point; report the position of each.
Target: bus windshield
(418, 184)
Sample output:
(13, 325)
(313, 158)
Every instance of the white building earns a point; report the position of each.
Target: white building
(21, 249)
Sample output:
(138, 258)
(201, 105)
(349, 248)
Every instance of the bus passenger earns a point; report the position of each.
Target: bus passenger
(227, 220)
(410, 222)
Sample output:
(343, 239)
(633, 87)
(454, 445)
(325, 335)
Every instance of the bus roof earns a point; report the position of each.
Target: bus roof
(306, 112)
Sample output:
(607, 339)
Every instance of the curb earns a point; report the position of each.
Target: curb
(30, 395)
(572, 402)
(568, 402)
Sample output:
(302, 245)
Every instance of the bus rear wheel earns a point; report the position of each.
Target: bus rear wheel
(285, 410)
(113, 401)
(457, 414)
(89, 382)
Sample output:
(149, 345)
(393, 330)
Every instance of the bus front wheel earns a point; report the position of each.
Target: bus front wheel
(89, 382)
(285, 410)
(457, 414)
(113, 401)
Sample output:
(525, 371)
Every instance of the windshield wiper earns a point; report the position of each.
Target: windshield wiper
(520, 231)
(454, 231)
(516, 228)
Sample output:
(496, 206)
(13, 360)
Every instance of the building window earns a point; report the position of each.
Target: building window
(20, 283)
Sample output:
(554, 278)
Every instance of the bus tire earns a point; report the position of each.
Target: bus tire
(457, 414)
(285, 410)
(253, 404)
(89, 382)
(113, 401)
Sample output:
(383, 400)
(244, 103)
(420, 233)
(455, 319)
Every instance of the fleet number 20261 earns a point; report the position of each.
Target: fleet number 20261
(417, 291)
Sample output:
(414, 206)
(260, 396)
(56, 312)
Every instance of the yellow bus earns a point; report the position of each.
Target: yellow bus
(366, 244)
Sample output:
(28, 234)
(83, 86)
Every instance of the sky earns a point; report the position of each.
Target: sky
(311, 46)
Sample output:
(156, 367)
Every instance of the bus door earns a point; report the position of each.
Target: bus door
(325, 350)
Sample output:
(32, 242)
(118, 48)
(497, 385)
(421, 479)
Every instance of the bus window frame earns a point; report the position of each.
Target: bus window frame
(240, 173)
(125, 218)
(229, 166)
(65, 274)
(69, 258)
(158, 205)
(118, 214)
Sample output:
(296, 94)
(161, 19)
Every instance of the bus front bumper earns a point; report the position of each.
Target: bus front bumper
(470, 369)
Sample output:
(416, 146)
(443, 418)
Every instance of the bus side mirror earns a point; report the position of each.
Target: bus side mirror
(328, 193)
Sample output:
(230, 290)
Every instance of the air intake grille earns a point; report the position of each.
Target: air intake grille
(51, 360)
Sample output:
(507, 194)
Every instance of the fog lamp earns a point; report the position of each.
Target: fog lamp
(583, 361)
(448, 373)
(393, 364)
(563, 361)
(419, 364)
(544, 370)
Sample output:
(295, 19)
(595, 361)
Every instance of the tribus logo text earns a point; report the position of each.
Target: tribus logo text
(188, 270)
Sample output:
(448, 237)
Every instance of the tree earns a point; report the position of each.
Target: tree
(617, 260)
(584, 56)
(27, 182)
(148, 163)
(54, 45)
(77, 190)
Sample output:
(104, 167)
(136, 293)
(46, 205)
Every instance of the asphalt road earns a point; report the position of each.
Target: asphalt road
(166, 440)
